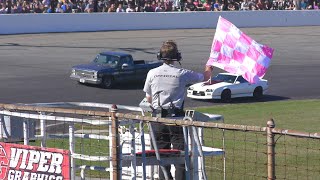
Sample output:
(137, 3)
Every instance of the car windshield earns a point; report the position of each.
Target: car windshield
(224, 78)
(107, 60)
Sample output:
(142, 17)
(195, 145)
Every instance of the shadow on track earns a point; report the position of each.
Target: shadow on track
(122, 86)
(131, 50)
(242, 100)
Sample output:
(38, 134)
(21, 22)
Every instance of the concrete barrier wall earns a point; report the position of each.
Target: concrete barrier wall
(44, 23)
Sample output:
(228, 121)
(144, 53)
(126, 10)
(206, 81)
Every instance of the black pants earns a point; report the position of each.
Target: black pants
(165, 136)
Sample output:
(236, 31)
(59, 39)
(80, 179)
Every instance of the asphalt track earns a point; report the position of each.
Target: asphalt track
(35, 68)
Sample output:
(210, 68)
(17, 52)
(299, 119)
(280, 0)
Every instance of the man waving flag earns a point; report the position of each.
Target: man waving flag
(235, 52)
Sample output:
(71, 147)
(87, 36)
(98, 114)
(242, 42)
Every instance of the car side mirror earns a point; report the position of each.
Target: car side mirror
(124, 66)
(237, 82)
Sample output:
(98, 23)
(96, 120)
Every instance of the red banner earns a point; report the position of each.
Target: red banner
(21, 162)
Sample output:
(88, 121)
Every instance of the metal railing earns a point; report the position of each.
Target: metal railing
(248, 151)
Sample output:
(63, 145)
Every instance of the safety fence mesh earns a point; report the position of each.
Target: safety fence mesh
(229, 151)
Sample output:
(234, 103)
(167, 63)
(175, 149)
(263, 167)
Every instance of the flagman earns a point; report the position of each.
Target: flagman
(165, 89)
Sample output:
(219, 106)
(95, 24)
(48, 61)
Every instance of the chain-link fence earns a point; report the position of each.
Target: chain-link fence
(83, 140)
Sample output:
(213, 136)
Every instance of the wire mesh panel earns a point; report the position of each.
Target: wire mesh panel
(297, 157)
(145, 146)
(245, 154)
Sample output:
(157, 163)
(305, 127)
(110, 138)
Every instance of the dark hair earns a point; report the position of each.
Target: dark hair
(171, 42)
(168, 51)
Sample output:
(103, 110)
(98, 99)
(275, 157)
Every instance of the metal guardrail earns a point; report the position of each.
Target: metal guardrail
(101, 118)
(115, 118)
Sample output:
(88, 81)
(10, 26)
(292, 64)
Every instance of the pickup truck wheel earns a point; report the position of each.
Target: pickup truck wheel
(107, 82)
(226, 96)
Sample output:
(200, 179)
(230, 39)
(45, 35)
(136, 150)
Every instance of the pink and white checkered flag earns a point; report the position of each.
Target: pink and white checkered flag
(235, 52)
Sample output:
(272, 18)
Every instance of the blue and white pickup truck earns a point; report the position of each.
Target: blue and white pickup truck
(109, 68)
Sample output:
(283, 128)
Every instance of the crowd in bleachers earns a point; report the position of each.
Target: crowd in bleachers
(117, 6)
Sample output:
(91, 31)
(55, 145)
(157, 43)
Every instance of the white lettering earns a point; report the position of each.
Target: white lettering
(23, 164)
(33, 176)
(18, 175)
(42, 177)
(31, 159)
(15, 156)
(43, 165)
(11, 174)
(52, 177)
(56, 161)
(26, 175)
(34, 157)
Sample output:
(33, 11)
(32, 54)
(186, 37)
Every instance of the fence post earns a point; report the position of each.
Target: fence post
(25, 131)
(72, 151)
(1, 128)
(43, 131)
(271, 150)
(115, 144)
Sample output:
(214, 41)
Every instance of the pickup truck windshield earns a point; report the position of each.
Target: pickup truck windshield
(108, 60)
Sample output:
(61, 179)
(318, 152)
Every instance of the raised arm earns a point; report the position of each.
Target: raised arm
(207, 72)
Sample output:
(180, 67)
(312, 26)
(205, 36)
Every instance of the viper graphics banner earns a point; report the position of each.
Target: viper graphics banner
(21, 162)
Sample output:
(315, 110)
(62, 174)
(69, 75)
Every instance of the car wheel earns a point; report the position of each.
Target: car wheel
(226, 95)
(107, 82)
(258, 92)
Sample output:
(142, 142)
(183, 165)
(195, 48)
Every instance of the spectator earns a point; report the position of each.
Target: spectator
(316, 5)
(3, 8)
(199, 5)
(252, 7)
(168, 4)
(260, 5)
(190, 6)
(216, 6)
(236, 5)
(207, 5)
(130, 8)
(8, 6)
(120, 8)
(159, 8)
(38, 8)
(280, 5)
(58, 8)
(288, 5)
(81, 6)
(303, 5)
(112, 8)
(224, 6)
(154, 5)
(147, 7)
(267, 5)
(176, 5)
(76, 6)
(104, 7)
(231, 6)
(244, 5)
(18, 7)
(64, 7)
(26, 7)
(89, 7)
(46, 3)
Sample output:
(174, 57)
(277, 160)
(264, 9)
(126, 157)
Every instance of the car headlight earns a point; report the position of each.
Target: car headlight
(95, 74)
(73, 72)
(190, 88)
(209, 90)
